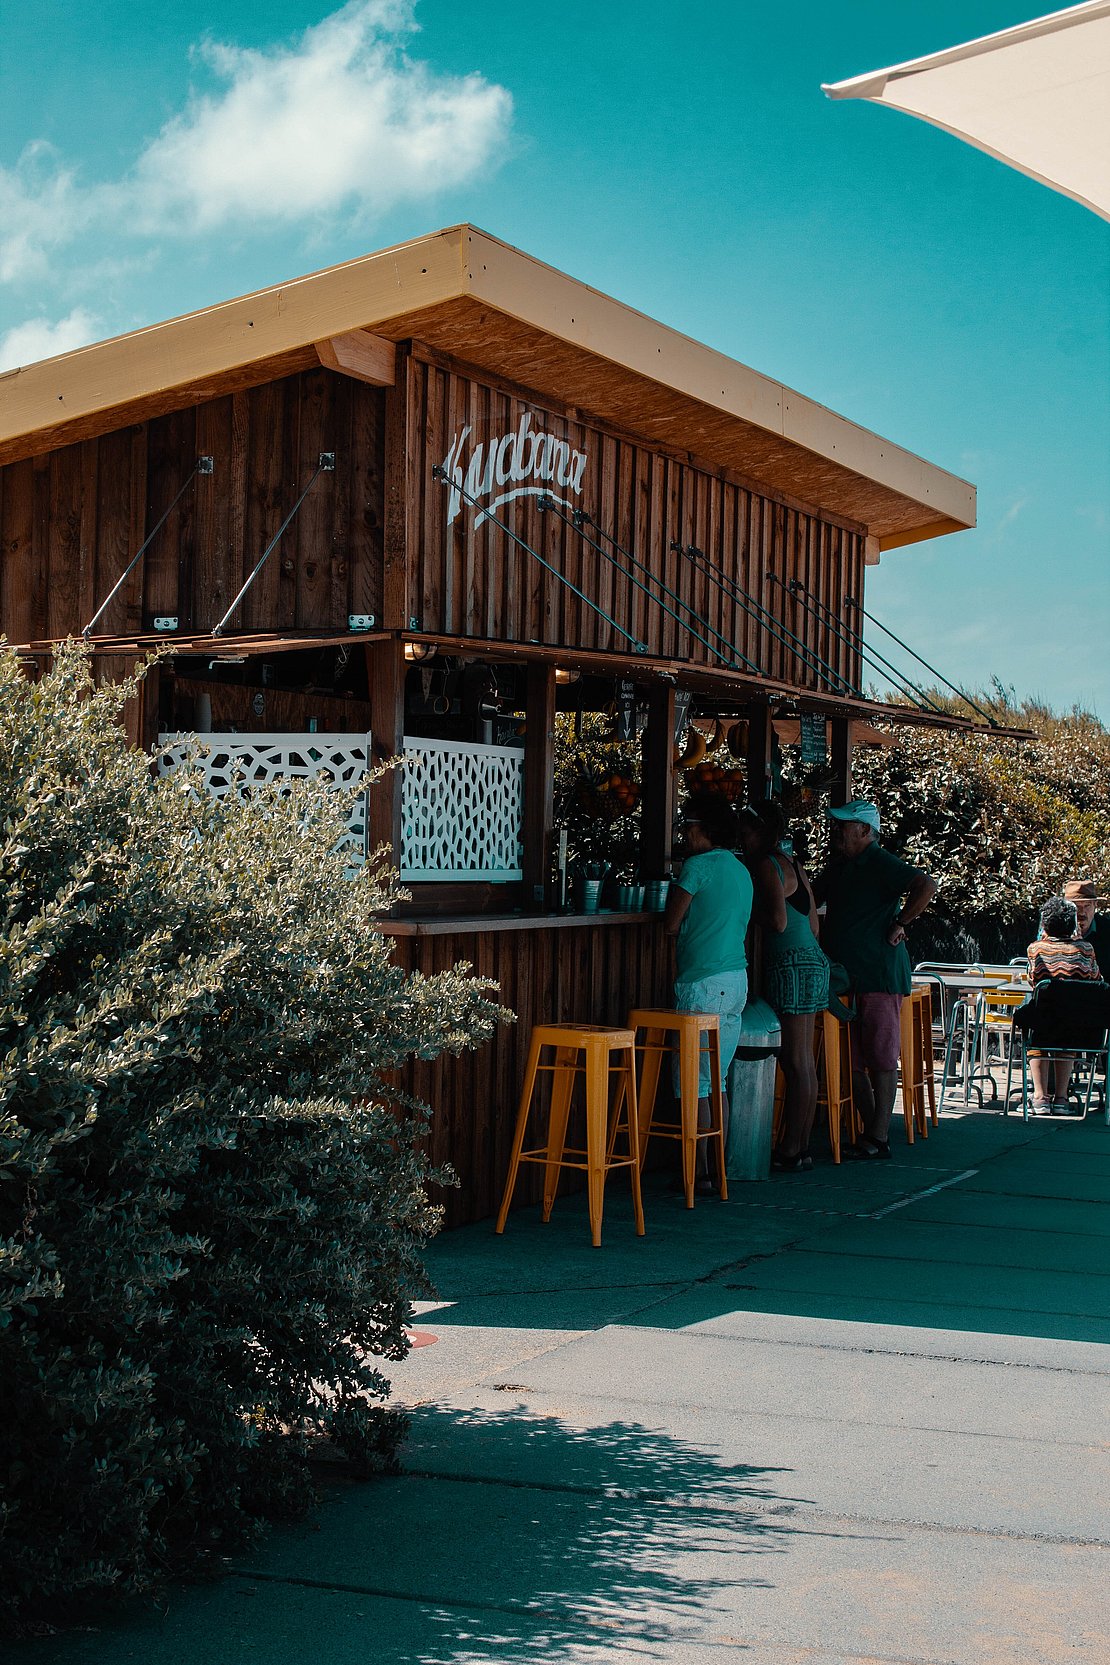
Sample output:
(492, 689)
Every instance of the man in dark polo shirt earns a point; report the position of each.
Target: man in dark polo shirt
(1091, 926)
(864, 928)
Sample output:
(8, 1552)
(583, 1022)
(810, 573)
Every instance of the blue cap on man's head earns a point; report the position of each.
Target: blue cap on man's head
(858, 810)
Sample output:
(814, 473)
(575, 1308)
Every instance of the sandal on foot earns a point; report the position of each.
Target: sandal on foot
(870, 1150)
(782, 1164)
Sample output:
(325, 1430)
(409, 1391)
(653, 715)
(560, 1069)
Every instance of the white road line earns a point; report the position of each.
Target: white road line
(943, 1186)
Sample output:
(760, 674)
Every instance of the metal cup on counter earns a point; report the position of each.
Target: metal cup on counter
(630, 898)
(655, 895)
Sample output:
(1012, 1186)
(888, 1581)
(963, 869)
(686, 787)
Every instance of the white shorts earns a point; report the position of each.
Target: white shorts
(726, 994)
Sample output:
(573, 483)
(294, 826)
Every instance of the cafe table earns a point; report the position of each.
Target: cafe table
(964, 992)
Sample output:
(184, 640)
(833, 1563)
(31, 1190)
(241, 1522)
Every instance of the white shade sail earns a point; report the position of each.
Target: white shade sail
(1036, 96)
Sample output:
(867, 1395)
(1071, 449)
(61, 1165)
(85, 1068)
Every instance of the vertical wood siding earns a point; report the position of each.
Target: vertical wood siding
(469, 579)
(71, 519)
(589, 973)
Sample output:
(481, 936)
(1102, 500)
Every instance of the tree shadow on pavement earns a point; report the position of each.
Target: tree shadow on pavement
(510, 1537)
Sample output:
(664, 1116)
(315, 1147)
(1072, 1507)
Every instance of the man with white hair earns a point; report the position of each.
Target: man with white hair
(870, 897)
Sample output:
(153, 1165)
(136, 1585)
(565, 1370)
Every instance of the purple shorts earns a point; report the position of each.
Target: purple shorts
(877, 1031)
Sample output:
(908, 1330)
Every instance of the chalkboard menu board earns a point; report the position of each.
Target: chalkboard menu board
(814, 749)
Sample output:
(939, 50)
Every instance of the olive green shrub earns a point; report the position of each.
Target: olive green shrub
(1000, 823)
(212, 1204)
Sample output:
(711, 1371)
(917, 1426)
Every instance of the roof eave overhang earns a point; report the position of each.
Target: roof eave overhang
(712, 681)
(447, 285)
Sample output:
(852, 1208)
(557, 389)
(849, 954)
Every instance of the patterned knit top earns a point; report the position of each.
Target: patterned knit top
(1061, 957)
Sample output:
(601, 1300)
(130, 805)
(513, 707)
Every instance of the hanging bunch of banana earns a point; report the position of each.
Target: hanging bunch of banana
(706, 758)
(692, 751)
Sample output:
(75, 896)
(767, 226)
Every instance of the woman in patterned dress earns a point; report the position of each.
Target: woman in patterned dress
(795, 971)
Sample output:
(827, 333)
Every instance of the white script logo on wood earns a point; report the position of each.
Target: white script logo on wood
(525, 463)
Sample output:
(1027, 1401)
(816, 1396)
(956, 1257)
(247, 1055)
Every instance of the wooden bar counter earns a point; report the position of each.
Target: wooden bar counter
(589, 968)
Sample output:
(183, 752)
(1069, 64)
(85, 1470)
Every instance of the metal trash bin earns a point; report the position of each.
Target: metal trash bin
(751, 1094)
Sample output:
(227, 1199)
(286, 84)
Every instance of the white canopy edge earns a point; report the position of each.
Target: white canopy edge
(1036, 97)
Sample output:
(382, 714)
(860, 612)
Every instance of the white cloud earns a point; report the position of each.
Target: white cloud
(1013, 511)
(340, 122)
(39, 338)
(41, 208)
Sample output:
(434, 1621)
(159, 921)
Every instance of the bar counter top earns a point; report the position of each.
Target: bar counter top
(435, 925)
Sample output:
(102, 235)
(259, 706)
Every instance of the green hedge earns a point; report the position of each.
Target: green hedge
(211, 1205)
(1000, 823)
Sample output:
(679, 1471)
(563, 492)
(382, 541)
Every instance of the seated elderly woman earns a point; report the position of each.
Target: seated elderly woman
(1057, 955)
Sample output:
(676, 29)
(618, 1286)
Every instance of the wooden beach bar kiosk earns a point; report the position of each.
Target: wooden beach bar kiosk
(423, 503)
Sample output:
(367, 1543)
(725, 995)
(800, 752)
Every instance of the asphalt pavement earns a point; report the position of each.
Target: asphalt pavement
(856, 1415)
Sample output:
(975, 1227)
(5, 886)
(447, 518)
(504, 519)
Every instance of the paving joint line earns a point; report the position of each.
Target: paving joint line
(554, 1289)
(903, 1352)
(790, 1514)
(930, 1258)
(810, 1418)
(919, 1301)
(785, 1509)
(518, 1610)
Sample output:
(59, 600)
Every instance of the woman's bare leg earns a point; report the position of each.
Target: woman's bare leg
(1039, 1069)
(800, 1077)
(1062, 1073)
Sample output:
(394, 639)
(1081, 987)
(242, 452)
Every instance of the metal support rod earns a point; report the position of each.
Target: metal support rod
(878, 661)
(793, 644)
(203, 465)
(967, 699)
(325, 465)
(855, 641)
(579, 519)
(440, 473)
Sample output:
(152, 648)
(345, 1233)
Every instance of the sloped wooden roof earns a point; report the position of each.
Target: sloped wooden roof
(469, 295)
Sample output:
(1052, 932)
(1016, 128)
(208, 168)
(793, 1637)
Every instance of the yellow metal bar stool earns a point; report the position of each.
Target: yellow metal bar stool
(832, 1053)
(688, 1034)
(596, 1053)
(912, 1056)
(922, 998)
(833, 1045)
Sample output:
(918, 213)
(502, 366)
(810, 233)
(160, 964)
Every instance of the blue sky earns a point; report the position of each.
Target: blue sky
(154, 159)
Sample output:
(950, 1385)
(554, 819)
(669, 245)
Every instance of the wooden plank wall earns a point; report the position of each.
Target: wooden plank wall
(71, 519)
(283, 711)
(472, 581)
(591, 973)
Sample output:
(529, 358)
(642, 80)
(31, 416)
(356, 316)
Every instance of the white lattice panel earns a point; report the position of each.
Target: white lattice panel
(240, 761)
(461, 811)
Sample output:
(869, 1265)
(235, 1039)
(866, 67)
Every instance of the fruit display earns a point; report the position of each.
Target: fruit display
(698, 758)
(606, 796)
(711, 777)
(737, 739)
(693, 750)
(619, 794)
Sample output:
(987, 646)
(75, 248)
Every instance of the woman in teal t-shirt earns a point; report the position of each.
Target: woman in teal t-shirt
(708, 909)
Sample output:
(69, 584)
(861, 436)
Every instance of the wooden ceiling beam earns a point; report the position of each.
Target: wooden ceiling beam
(361, 354)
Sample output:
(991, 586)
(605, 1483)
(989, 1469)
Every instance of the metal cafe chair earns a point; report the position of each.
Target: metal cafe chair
(971, 1021)
(960, 1044)
(931, 971)
(1065, 1018)
(996, 1013)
